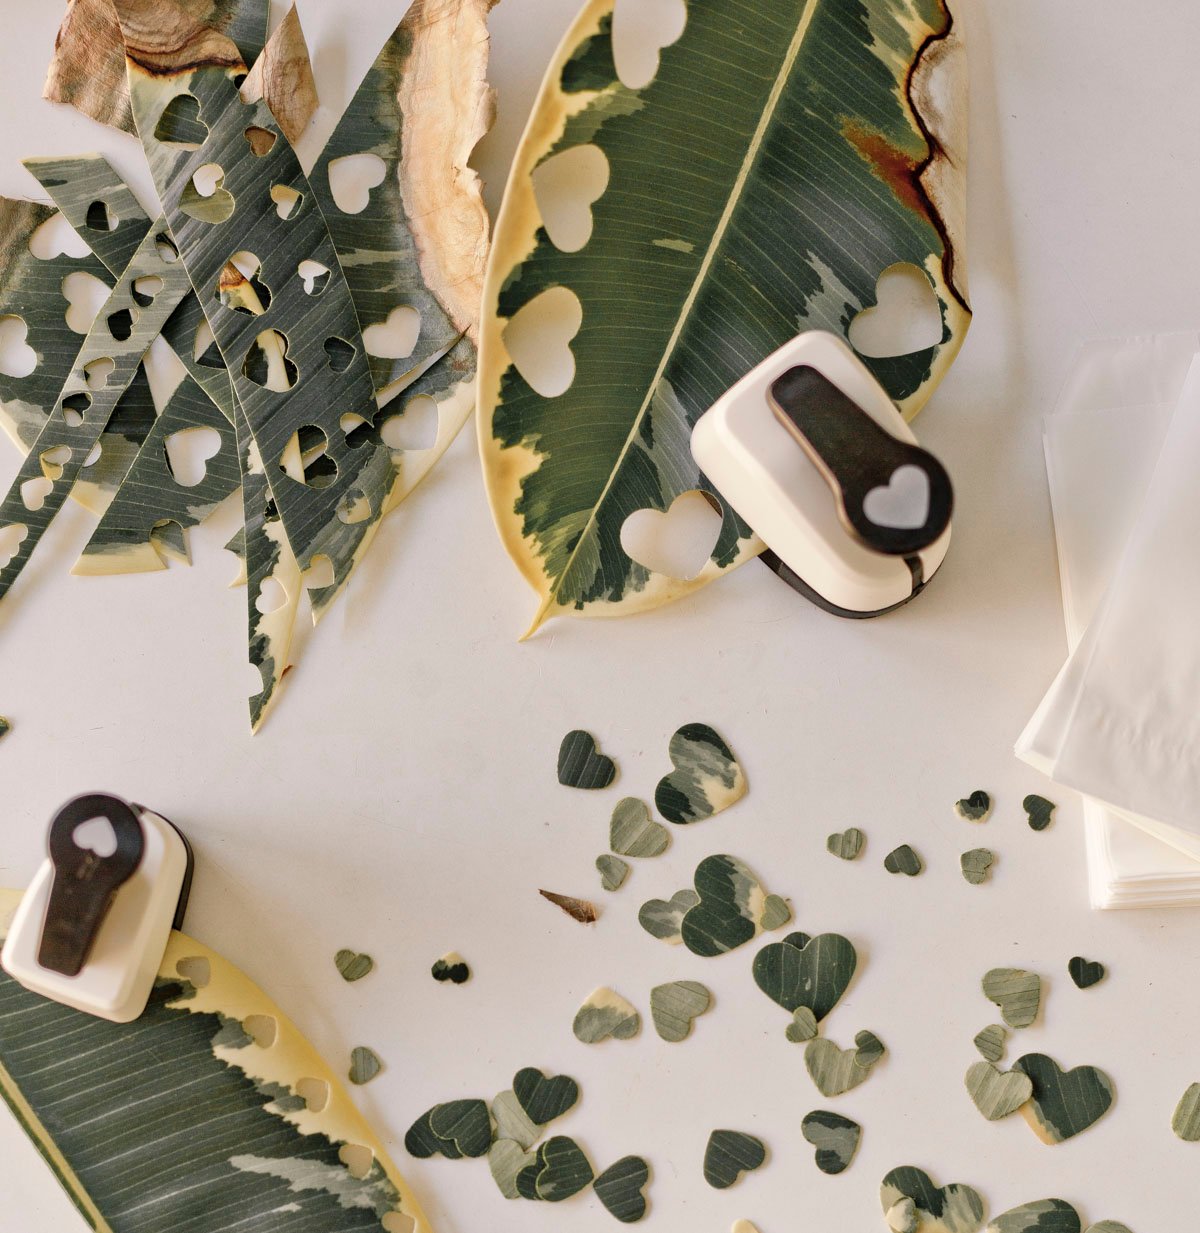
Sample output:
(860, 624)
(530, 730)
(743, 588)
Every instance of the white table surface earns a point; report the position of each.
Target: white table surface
(403, 799)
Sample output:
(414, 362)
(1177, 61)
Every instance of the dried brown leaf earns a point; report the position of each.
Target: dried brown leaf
(283, 76)
(578, 909)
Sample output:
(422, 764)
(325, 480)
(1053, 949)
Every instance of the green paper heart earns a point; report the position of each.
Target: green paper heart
(974, 808)
(977, 865)
(632, 832)
(352, 965)
(620, 1187)
(580, 763)
(1038, 811)
(1042, 1216)
(846, 845)
(814, 975)
(542, 1098)
(1085, 972)
(903, 860)
(833, 1070)
(613, 871)
(364, 1065)
(954, 1208)
(606, 1013)
(706, 778)
(733, 908)
(1018, 994)
(729, 1154)
(1064, 1103)
(465, 1123)
(663, 918)
(991, 1041)
(997, 1093)
(836, 1139)
(675, 1006)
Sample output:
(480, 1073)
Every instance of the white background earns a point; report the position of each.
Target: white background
(403, 800)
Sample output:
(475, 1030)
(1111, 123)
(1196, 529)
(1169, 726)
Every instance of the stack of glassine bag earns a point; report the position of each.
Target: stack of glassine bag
(1121, 721)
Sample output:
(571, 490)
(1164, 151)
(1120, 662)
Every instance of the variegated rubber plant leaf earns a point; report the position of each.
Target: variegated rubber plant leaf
(269, 1132)
(781, 159)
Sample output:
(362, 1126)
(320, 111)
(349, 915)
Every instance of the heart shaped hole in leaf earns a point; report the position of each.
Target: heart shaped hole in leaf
(314, 1093)
(35, 491)
(11, 539)
(340, 353)
(305, 459)
(287, 200)
(180, 123)
(264, 1029)
(398, 1222)
(538, 339)
(97, 372)
(413, 428)
(272, 596)
(353, 508)
(566, 186)
(319, 574)
(357, 1159)
(205, 197)
(188, 452)
(169, 540)
(54, 459)
(74, 408)
(239, 287)
(101, 217)
(351, 179)
(144, 289)
(205, 351)
(313, 275)
(677, 543)
(196, 970)
(266, 362)
(164, 246)
(86, 295)
(395, 338)
(93, 456)
(357, 428)
(261, 140)
(904, 318)
(120, 324)
(95, 835)
(17, 357)
(56, 237)
(640, 30)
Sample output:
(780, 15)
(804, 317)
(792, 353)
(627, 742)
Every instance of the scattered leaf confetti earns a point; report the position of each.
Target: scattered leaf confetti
(1186, 1122)
(706, 778)
(613, 871)
(542, 1098)
(513, 1123)
(560, 1171)
(835, 1137)
(577, 909)
(803, 1026)
(506, 1159)
(451, 967)
(974, 808)
(663, 918)
(674, 1007)
(632, 831)
(803, 971)
(1064, 1103)
(1085, 972)
(954, 1208)
(1018, 994)
(729, 1154)
(606, 1013)
(352, 965)
(465, 1123)
(832, 1069)
(868, 1049)
(364, 1065)
(1039, 811)
(997, 1093)
(620, 1188)
(846, 845)
(731, 909)
(1041, 1216)
(977, 865)
(903, 860)
(991, 1041)
(582, 765)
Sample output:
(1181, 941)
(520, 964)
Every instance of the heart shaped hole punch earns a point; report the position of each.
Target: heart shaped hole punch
(260, 140)
(905, 317)
(56, 237)
(678, 543)
(351, 179)
(566, 186)
(640, 30)
(180, 123)
(101, 217)
(35, 491)
(313, 275)
(97, 836)
(86, 295)
(305, 459)
(413, 428)
(239, 287)
(394, 338)
(205, 197)
(267, 364)
(11, 539)
(538, 340)
(188, 452)
(17, 357)
(903, 504)
(287, 200)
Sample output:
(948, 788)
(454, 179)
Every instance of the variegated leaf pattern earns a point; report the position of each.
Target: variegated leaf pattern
(781, 159)
(270, 1131)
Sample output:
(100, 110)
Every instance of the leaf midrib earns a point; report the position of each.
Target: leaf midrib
(735, 195)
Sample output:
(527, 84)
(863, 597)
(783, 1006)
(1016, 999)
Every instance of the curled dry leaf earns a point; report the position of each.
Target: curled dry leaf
(577, 909)
(282, 77)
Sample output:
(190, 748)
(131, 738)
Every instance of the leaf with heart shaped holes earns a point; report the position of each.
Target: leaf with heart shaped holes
(581, 764)
(543, 1098)
(903, 503)
(641, 30)
(904, 318)
(632, 832)
(706, 780)
(953, 1208)
(663, 918)
(566, 186)
(675, 543)
(997, 1093)
(1064, 1103)
(815, 974)
(1085, 972)
(1040, 1216)
(539, 336)
(1018, 994)
(205, 197)
(974, 808)
(620, 1188)
(835, 1137)
(674, 1008)
(729, 1154)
